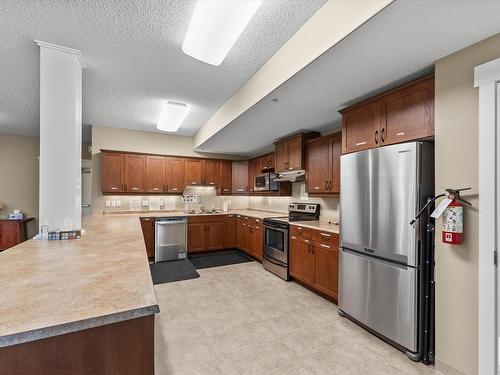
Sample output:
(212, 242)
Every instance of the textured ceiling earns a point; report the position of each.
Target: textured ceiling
(399, 43)
(134, 59)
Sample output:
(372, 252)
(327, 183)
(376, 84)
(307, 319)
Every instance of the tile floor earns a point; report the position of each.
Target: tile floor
(240, 319)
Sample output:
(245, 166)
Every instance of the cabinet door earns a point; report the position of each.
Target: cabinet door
(336, 153)
(267, 162)
(327, 269)
(174, 175)
(112, 172)
(230, 232)
(193, 172)
(8, 234)
(148, 232)
(215, 235)
(361, 128)
(247, 239)
(135, 173)
(155, 174)
(226, 174)
(253, 170)
(409, 113)
(295, 153)
(239, 233)
(318, 161)
(281, 156)
(211, 173)
(240, 177)
(301, 261)
(258, 241)
(197, 233)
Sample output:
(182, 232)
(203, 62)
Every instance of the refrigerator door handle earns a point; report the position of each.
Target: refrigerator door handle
(377, 258)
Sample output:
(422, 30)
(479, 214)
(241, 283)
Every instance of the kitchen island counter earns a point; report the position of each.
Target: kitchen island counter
(50, 288)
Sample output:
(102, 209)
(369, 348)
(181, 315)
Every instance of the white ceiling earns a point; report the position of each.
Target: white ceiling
(401, 42)
(134, 59)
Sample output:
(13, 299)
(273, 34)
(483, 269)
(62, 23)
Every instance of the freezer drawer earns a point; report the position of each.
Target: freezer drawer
(381, 295)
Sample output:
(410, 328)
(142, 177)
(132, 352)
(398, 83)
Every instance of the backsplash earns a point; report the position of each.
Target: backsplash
(210, 200)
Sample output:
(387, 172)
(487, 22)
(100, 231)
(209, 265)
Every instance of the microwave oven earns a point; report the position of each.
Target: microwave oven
(265, 182)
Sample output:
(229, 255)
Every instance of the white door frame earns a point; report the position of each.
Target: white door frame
(486, 78)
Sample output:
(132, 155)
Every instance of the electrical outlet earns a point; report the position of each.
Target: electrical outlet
(108, 204)
(118, 203)
(145, 203)
(113, 204)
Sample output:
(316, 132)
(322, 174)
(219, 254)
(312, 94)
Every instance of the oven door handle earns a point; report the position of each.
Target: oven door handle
(278, 228)
(273, 261)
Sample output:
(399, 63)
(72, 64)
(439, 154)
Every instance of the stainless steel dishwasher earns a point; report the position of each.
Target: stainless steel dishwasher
(170, 238)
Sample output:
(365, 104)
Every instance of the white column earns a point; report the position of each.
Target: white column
(60, 136)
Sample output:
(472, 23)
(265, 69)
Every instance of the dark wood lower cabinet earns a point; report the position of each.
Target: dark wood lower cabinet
(206, 233)
(123, 348)
(148, 232)
(315, 261)
(12, 232)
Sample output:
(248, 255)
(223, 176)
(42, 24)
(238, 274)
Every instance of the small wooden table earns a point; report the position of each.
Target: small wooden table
(12, 232)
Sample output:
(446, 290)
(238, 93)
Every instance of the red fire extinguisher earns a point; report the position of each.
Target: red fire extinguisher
(451, 210)
(453, 222)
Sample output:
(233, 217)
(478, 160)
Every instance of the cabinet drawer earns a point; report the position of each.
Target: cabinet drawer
(301, 232)
(206, 219)
(327, 238)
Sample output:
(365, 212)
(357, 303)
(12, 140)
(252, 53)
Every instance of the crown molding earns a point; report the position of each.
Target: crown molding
(63, 49)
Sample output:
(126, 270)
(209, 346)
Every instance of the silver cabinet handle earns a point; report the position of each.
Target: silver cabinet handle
(156, 189)
(193, 182)
(325, 246)
(294, 238)
(114, 188)
(175, 189)
(306, 241)
(325, 234)
(360, 143)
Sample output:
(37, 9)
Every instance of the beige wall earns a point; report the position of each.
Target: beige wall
(19, 177)
(456, 138)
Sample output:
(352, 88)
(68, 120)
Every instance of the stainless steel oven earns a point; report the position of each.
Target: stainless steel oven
(276, 246)
(265, 182)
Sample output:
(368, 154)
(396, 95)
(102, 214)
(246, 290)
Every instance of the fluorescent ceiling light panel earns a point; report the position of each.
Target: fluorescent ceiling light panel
(215, 26)
(172, 116)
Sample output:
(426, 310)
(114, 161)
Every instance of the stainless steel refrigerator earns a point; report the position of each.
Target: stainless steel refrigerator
(380, 259)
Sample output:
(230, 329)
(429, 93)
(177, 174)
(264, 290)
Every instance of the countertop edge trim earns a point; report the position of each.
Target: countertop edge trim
(80, 325)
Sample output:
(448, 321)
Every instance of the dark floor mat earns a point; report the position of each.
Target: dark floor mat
(219, 259)
(174, 270)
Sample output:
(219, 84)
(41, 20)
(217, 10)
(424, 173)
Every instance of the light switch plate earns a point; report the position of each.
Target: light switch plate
(118, 203)
(145, 203)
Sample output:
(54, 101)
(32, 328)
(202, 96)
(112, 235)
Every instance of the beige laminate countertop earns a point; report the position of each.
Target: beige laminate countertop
(324, 226)
(259, 214)
(49, 288)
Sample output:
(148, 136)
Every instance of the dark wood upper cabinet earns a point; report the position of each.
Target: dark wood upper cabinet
(281, 156)
(361, 128)
(336, 149)
(409, 113)
(135, 173)
(318, 165)
(155, 173)
(254, 168)
(289, 152)
(112, 172)
(174, 175)
(211, 172)
(226, 177)
(323, 164)
(267, 162)
(240, 177)
(400, 115)
(193, 172)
